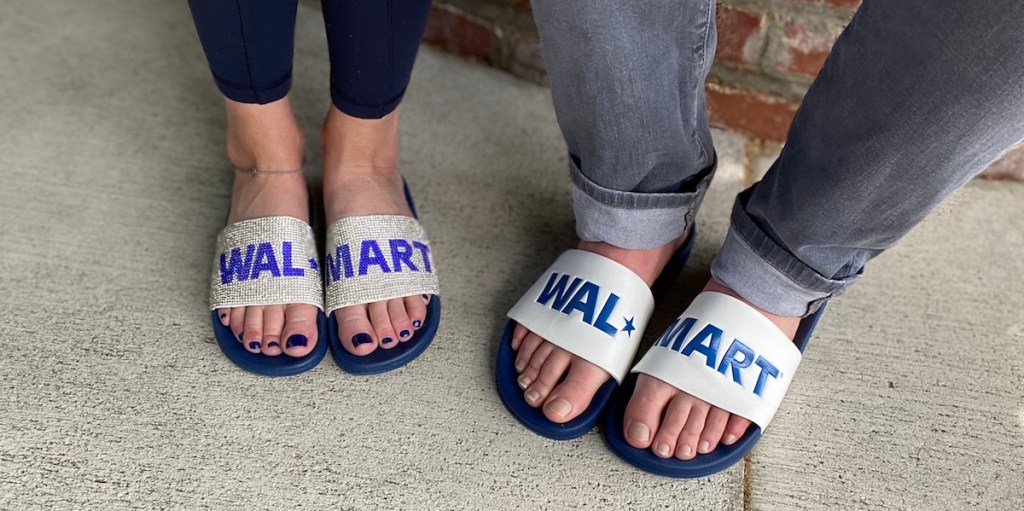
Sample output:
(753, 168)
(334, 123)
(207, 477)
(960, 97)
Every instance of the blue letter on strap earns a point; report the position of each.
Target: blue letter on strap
(729, 360)
(585, 301)
(370, 254)
(265, 261)
(288, 269)
(237, 267)
(557, 291)
(401, 250)
(714, 334)
(767, 369)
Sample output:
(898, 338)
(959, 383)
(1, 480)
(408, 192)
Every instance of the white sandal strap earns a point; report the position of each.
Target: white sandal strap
(377, 257)
(266, 261)
(590, 306)
(725, 352)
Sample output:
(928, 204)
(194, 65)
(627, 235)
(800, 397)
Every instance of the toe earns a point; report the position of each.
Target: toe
(525, 353)
(714, 426)
(549, 374)
(416, 310)
(225, 316)
(667, 437)
(237, 318)
(518, 334)
(571, 397)
(400, 319)
(734, 429)
(273, 323)
(300, 329)
(252, 329)
(532, 371)
(642, 417)
(686, 447)
(381, 321)
(355, 330)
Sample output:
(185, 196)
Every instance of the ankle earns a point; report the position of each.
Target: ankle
(352, 143)
(265, 137)
(787, 324)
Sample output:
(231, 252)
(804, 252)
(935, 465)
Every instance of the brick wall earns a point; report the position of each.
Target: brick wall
(769, 52)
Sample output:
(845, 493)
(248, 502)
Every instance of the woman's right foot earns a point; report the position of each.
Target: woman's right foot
(267, 137)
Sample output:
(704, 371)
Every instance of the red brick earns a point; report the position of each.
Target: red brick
(1010, 166)
(760, 115)
(460, 33)
(741, 35)
(803, 50)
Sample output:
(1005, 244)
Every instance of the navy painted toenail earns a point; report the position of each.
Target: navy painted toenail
(295, 340)
(223, 315)
(254, 345)
(240, 335)
(272, 344)
(417, 323)
(403, 333)
(363, 338)
(387, 340)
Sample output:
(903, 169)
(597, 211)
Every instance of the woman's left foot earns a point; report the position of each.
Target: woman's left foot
(361, 178)
(672, 423)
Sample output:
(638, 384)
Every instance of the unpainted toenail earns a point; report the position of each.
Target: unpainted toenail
(532, 396)
(640, 432)
(559, 407)
(687, 451)
(520, 365)
(704, 447)
(524, 381)
(729, 439)
(663, 450)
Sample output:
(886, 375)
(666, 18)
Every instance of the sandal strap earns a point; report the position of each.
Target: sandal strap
(728, 354)
(266, 261)
(590, 306)
(377, 257)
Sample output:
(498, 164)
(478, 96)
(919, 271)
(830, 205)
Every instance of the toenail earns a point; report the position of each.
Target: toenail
(640, 432)
(532, 396)
(272, 344)
(403, 333)
(363, 338)
(729, 439)
(240, 335)
(417, 323)
(295, 340)
(223, 315)
(687, 451)
(386, 340)
(663, 450)
(524, 381)
(704, 447)
(520, 365)
(254, 345)
(559, 407)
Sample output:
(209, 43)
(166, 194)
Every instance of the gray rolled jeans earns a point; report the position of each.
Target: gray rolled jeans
(916, 97)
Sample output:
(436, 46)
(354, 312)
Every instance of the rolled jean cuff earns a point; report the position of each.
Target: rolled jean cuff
(634, 220)
(261, 95)
(765, 273)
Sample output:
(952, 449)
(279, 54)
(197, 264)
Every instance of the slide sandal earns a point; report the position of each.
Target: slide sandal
(724, 352)
(374, 258)
(592, 307)
(266, 261)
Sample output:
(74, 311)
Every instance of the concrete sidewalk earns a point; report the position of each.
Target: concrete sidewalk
(115, 396)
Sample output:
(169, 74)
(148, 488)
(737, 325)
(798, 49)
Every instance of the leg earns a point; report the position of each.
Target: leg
(373, 45)
(248, 45)
(627, 79)
(938, 96)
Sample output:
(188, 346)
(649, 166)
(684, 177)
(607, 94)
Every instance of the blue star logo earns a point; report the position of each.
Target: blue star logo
(312, 264)
(629, 326)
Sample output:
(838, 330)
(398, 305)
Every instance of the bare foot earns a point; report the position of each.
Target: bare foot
(671, 422)
(542, 365)
(361, 178)
(267, 137)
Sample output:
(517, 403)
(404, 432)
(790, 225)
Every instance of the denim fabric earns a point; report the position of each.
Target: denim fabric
(916, 98)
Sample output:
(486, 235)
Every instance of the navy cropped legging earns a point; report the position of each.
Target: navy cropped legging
(372, 45)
